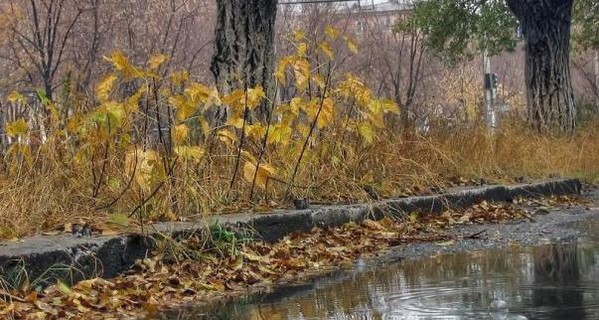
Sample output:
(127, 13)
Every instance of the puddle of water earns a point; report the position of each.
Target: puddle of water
(558, 281)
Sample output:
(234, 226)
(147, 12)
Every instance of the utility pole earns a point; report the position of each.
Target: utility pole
(489, 110)
(597, 75)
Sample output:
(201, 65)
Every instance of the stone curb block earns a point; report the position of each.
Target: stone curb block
(43, 256)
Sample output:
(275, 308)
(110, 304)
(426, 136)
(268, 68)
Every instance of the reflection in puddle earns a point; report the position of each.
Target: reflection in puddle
(549, 282)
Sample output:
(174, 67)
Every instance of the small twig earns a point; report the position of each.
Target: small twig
(476, 235)
(104, 163)
(241, 142)
(287, 183)
(171, 169)
(264, 144)
(307, 140)
(7, 296)
(115, 200)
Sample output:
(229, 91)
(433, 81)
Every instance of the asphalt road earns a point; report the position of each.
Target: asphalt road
(558, 224)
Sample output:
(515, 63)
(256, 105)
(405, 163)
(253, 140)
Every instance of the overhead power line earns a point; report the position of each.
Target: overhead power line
(313, 1)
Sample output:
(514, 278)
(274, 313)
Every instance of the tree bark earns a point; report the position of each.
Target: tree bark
(244, 56)
(550, 97)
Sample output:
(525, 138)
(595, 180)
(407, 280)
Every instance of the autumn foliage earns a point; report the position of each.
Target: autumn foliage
(151, 146)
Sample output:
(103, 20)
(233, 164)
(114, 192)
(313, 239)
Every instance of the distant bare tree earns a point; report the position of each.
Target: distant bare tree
(39, 38)
(47, 40)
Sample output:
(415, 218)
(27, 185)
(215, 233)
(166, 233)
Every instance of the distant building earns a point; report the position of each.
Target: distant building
(370, 16)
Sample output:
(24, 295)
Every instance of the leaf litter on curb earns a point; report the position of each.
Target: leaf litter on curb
(153, 285)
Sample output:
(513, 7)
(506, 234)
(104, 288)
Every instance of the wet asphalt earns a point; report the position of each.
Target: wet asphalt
(553, 225)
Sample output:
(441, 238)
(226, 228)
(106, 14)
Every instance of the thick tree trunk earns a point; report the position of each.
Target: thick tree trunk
(244, 55)
(550, 97)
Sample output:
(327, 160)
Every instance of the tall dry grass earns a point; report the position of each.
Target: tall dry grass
(50, 193)
(143, 148)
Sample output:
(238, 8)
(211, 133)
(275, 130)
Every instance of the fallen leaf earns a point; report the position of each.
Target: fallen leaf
(373, 225)
(446, 243)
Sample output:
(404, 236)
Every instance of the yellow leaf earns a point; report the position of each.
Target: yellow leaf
(156, 60)
(296, 105)
(121, 63)
(198, 93)
(227, 136)
(384, 106)
(132, 103)
(280, 72)
(176, 101)
(319, 80)
(248, 156)
(302, 129)
(193, 153)
(214, 99)
(280, 134)
(179, 78)
(180, 133)
(105, 87)
(255, 130)
(264, 172)
(17, 128)
(16, 97)
(301, 68)
(302, 49)
(255, 97)
(143, 168)
(235, 99)
(366, 132)
(65, 289)
(185, 107)
(249, 169)
(205, 126)
(326, 49)
(377, 119)
(331, 32)
(116, 114)
(326, 114)
(299, 35)
(235, 122)
(390, 106)
(351, 45)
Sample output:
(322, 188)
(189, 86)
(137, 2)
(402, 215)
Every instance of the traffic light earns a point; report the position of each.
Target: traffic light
(491, 81)
(494, 80)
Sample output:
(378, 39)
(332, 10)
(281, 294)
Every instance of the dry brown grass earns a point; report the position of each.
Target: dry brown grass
(49, 192)
(104, 159)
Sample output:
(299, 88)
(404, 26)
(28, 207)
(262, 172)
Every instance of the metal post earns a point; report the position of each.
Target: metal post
(489, 96)
(597, 75)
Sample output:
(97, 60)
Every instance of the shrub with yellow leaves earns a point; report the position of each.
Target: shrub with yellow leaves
(152, 147)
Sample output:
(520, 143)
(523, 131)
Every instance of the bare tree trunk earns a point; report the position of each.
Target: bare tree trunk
(244, 55)
(550, 97)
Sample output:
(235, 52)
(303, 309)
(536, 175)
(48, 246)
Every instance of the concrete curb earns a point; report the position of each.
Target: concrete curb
(46, 256)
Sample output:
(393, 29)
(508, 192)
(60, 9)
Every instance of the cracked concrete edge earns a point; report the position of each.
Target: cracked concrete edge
(45, 257)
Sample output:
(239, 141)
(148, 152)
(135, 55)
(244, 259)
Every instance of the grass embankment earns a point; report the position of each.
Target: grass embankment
(56, 188)
(147, 146)
(198, 271)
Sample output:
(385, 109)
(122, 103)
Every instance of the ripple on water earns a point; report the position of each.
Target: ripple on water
(559, 281)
